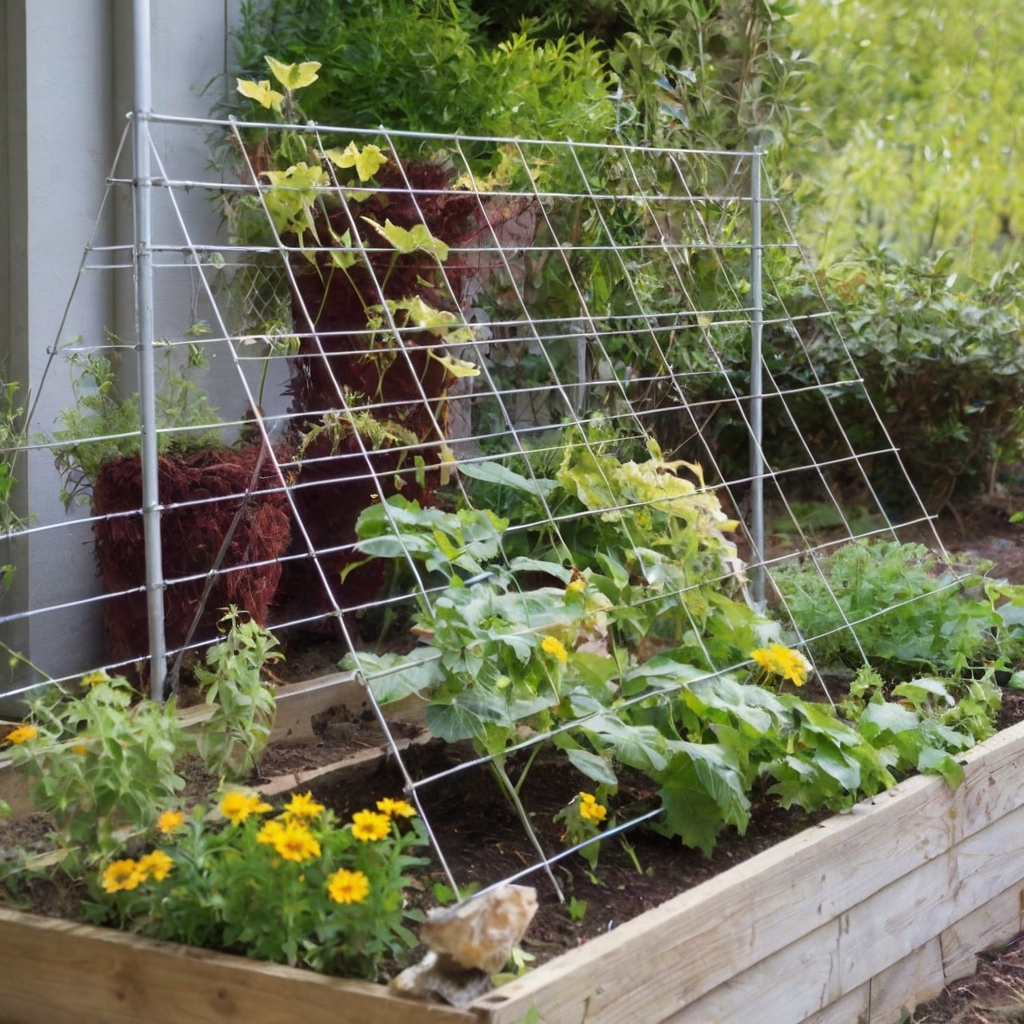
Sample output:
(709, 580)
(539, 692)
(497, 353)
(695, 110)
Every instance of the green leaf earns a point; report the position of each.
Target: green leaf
(938, 762)
(592, 766)
(888, 717)
(498, 473)
(456, 367)
(702, 791)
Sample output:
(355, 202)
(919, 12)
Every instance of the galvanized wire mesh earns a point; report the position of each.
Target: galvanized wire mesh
(587, 299)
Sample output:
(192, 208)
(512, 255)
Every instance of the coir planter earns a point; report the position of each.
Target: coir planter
(205, 496)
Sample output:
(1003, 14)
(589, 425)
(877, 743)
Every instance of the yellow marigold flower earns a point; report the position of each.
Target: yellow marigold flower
(156, 865)
(237, 806)
(301, 806)
(348, 886)
(22, 734)
(549, 645)
(169, 821)
(590, 809)
(369, 826)
(396, 808)
(269, 832)
(295, 842)
(778, 660)
(95, 678)
(122, 874)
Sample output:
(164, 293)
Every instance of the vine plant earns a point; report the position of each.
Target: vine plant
(617, 658)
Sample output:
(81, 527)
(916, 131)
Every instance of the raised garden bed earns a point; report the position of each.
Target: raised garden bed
(851, 920)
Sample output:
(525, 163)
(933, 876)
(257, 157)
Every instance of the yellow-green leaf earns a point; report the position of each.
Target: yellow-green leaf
(419, 237)
(294, 76)
(261, 93)
(367, 161)
(456, 367)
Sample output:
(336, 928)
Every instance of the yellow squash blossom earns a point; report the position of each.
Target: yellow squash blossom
(348, 886)
(122, 874)
(369, 826)
(92, 679)
(549, 645)
(396, 808)
(590, 809)
(22, 734)
(782, 661)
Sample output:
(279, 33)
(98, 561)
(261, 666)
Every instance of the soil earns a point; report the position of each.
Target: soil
(994, 995)
(482, 838)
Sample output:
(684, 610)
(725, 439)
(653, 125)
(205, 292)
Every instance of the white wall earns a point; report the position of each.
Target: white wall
(65, 86)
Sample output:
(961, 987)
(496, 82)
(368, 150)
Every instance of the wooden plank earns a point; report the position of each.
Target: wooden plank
(853, 1008)
(298, 703)
(918, 907)
(913, 980)
(785, 988)
(353, 767)
(992, 924)
(703, 937)
(56, 972)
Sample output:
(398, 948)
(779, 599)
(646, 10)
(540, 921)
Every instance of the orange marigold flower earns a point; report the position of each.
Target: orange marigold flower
(369, 826)
(396, 808)
(156, 865)
(22, 734)
(301, 806)
(348, 886)
(122, 874)
(236, 806)
(295, 842)
(169, 821)
(549, 645)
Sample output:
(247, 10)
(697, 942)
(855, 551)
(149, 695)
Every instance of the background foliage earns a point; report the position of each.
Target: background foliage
(892, 138)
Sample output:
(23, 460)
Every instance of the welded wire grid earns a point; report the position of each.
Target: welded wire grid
(651, 217)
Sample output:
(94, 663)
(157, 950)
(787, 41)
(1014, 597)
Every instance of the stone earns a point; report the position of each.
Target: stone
(439, 977)
(482, 932)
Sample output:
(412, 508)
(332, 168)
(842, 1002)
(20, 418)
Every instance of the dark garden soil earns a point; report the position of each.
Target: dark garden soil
(483, 840)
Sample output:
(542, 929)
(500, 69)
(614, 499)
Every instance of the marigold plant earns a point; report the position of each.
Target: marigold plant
(297, 887)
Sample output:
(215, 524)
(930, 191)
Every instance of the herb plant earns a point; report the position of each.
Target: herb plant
(99, 765)
(233, 738)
